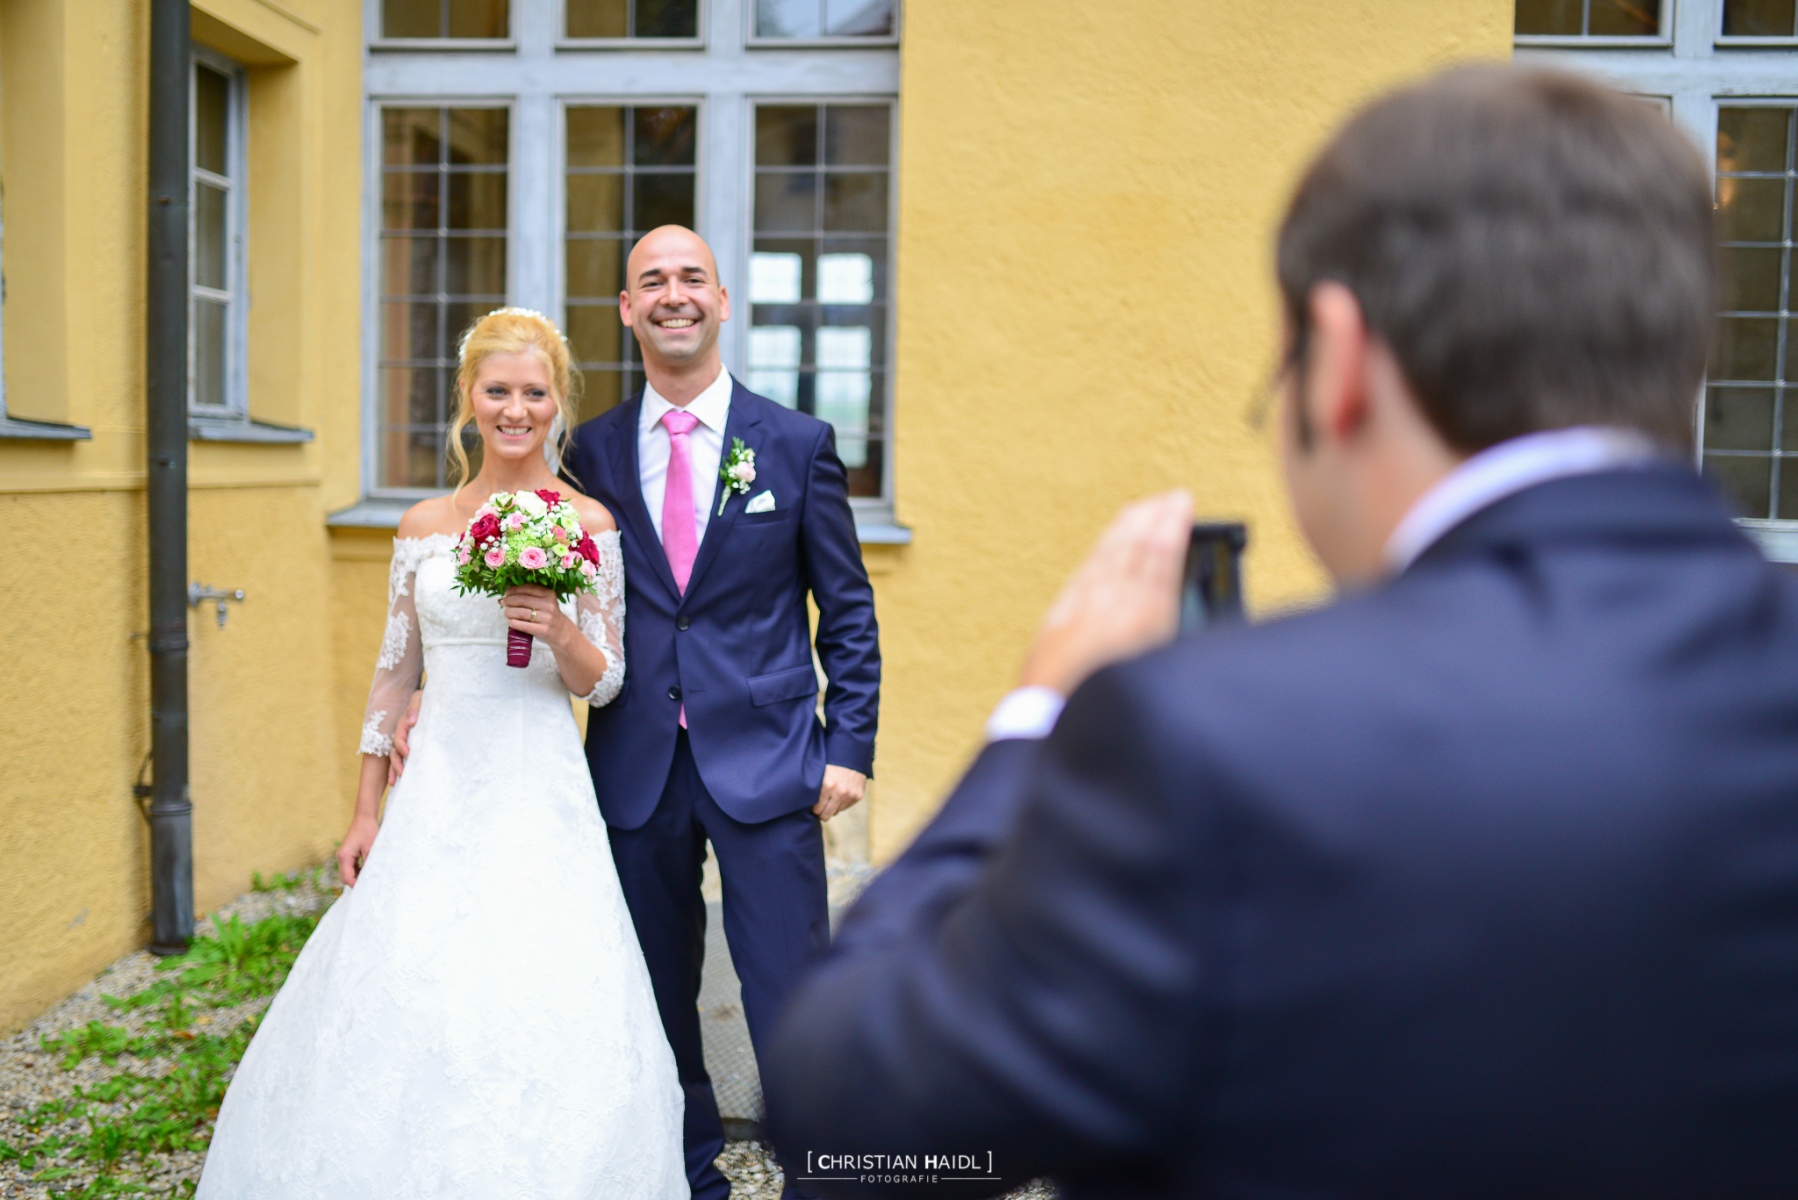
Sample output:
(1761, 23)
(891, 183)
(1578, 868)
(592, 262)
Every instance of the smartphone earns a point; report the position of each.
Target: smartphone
(1212, 592)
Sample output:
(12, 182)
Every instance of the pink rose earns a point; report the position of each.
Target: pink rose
(531, 558)
(495, 557)
(515, 521)
(589, 570)
(570, 561)
(462, 556)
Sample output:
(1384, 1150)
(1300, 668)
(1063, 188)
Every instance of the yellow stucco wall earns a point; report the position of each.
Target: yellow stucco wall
(73, 129)
(1087, 198)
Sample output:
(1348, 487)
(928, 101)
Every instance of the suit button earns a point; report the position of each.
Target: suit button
(683, 624)
(674, 692)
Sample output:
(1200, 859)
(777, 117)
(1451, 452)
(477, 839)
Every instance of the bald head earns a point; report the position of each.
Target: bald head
(673, 302)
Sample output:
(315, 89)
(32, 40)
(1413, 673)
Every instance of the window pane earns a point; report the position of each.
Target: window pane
(629, 170)
(211, 236)
(786, 136)
(818, 284)
(858, 18)
(444, 18)
(209, 348)
(789, 18)
(857, 136)
(444, 176)
(1752, 139)
(212, 117)
(477, 200)
(1746, 348)
(1624, 18)
(1787, 508)
(633, 18)
(411, 136)
(1738, 418)
(663, 137)
(1550, 17)
(1758, 18)
(477, 18)
(1751, 210)
(1750, 278)
(1747, 480)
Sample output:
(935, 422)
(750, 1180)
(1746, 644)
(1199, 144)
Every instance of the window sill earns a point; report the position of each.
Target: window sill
(1532, 41)
(384, 512)
(242, 429)
(1778, 540)
(439, 45)
(20, 429)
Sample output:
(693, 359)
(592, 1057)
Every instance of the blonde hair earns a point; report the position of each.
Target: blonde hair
(513, 331)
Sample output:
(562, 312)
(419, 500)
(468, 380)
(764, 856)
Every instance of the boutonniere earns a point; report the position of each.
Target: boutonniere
(738, 472)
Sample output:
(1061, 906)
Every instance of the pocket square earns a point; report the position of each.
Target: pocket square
(759, 503)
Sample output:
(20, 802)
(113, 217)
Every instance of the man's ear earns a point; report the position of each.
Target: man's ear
(723, 303)
(624, 308)
(1336, 393)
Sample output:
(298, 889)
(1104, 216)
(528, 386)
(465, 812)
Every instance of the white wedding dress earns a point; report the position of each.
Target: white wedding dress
(474, 1018)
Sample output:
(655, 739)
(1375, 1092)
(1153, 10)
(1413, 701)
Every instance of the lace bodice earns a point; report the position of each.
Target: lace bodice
(425, 611)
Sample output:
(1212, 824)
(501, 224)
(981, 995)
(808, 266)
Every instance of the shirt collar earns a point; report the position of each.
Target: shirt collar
(1504, 470)
(711, 406)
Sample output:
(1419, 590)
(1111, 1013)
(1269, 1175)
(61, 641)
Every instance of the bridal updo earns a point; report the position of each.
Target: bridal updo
(513, 331)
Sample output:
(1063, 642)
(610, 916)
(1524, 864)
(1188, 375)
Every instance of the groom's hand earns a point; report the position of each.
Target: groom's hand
(843, 788)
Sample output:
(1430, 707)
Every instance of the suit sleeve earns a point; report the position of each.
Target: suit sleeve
(1023, 980)
(848, 639)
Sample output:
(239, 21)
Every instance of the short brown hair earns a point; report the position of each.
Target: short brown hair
(1536, 249)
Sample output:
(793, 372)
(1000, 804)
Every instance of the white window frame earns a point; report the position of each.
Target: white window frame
(756, 42)
(1698, 71)
(373, 11)
(1660, 41)
(537, 73)
(236, 183)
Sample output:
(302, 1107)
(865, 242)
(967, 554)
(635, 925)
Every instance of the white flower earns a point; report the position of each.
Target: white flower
(743, 472)
(532, 503)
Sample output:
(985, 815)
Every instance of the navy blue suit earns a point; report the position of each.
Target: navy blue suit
(1480, 884)
(736, 651)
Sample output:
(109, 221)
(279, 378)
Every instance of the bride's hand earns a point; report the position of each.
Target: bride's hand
(533, 610)
(353, 853)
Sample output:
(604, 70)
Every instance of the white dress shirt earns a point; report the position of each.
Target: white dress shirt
(1480, 482)
(705, 449)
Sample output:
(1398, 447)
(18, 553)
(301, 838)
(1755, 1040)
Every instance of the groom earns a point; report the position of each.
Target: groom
(715, 736)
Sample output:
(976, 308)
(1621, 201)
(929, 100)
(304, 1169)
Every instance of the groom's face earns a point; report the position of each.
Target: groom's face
(672, 299)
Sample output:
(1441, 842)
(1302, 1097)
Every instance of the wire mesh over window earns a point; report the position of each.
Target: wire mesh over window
(819, 277)
(1750, 428)
(824, 18)
(632, 18)
(1760, 18)
(443, 264)
(1589, 18)
(629, 170)
(446, 19)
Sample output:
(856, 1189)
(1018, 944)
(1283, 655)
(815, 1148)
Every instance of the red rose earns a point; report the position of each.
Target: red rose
(548, 497)
(486, 527)
(587, 550)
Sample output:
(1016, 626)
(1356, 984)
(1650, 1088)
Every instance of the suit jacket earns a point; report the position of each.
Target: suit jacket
(1484, 883)
(736, 649)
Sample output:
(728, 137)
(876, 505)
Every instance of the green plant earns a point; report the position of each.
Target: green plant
(102, 1131)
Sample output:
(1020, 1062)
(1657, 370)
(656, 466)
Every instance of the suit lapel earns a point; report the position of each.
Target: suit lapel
(623, 453)
(741, 421)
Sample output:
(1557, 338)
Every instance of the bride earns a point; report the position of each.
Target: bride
(473, 1018)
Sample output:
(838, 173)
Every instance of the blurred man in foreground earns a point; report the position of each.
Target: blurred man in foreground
(1482, 881)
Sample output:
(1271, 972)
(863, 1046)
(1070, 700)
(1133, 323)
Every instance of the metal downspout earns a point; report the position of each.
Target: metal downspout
(170, 810)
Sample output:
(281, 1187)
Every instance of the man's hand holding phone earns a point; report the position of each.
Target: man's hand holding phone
(1123, 600)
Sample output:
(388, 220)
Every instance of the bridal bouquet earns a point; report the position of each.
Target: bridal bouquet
(525, 538)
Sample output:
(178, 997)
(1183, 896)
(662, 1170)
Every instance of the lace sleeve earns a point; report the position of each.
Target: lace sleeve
(601, 616)
(401, 663)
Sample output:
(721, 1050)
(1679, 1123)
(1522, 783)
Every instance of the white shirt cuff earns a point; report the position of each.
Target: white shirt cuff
(1028, 712)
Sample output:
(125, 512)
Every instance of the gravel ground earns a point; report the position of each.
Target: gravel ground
(29, 1076)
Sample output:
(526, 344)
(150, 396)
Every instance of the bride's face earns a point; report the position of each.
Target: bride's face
(514, 404)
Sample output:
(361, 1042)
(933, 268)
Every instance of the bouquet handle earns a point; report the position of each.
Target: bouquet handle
(518, 648)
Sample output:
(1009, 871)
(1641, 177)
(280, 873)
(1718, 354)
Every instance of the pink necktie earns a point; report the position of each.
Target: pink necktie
(680, 536)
